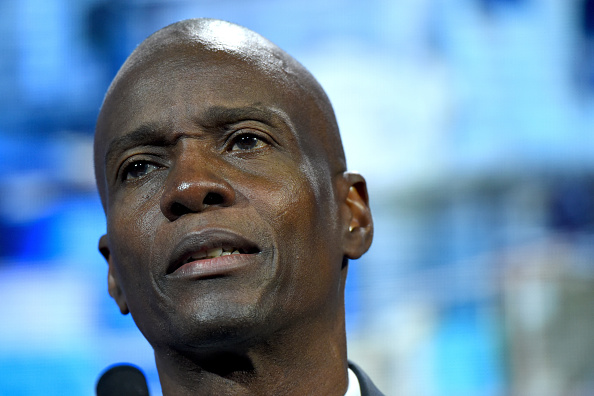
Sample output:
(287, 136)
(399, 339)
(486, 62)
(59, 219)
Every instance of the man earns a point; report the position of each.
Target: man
(230, 214)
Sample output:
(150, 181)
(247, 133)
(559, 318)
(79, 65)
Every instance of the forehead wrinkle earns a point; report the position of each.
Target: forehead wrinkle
(210, 41)
(148, 134)
(215, 116)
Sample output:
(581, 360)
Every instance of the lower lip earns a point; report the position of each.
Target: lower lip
(213, 267)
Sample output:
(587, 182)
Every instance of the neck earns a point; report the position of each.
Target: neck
(309, 360)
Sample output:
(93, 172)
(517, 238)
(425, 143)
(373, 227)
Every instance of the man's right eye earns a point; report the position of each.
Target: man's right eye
(138, 169)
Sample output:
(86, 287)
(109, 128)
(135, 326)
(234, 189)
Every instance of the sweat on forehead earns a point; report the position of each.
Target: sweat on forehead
(196, 41)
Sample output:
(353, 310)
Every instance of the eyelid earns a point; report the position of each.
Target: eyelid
(237, 133)
(131, 160)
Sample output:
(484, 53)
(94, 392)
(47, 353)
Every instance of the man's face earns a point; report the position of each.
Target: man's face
(210, 153)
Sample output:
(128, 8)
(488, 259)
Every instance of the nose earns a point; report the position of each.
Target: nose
(193, 187)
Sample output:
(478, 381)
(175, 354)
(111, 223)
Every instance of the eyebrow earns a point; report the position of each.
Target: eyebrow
(214, 118)
(149, 134)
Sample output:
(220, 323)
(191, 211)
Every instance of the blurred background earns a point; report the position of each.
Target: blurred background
(472, 120)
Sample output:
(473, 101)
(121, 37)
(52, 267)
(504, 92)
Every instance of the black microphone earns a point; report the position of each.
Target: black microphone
(122, 380)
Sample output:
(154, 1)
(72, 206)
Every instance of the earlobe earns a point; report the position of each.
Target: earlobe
(359, 223)
(115, 291)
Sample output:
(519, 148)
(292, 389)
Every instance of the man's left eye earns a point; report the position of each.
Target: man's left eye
(247, 142)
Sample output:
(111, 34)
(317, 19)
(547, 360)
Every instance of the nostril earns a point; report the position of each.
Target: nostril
(213, 199)
(175, 204)
(178, 209)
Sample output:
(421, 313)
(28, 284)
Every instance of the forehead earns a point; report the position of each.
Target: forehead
(180, 82)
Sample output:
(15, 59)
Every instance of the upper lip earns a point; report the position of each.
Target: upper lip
(197, 241)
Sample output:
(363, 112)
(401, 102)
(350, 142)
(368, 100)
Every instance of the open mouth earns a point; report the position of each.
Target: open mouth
(214, 253)
(205, 252)
(212, 262)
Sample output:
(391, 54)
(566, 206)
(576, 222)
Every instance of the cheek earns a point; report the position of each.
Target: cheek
(300, 210)
(307, 208)
(287, 202)
(132, 224)
(132, 259)
(135, 212)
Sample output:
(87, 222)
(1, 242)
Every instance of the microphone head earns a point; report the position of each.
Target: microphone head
(122, 380)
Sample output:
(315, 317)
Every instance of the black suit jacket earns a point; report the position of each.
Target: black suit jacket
(367, 387)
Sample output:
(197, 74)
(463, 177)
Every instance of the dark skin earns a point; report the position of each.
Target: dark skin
(212, 137)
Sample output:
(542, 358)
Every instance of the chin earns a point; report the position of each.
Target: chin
(222, 327)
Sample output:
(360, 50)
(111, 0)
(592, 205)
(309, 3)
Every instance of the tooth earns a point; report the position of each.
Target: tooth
(227, 250)
(236, 252)
(196, 256)
(225, 253)
(216, 252)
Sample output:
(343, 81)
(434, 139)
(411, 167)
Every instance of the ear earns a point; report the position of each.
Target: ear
(113, 286)
(357, 224)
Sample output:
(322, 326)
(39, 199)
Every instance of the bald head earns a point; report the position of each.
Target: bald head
(215, 36)
(199, 47)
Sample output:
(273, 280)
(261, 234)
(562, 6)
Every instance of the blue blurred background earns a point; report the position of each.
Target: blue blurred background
(472, 120)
